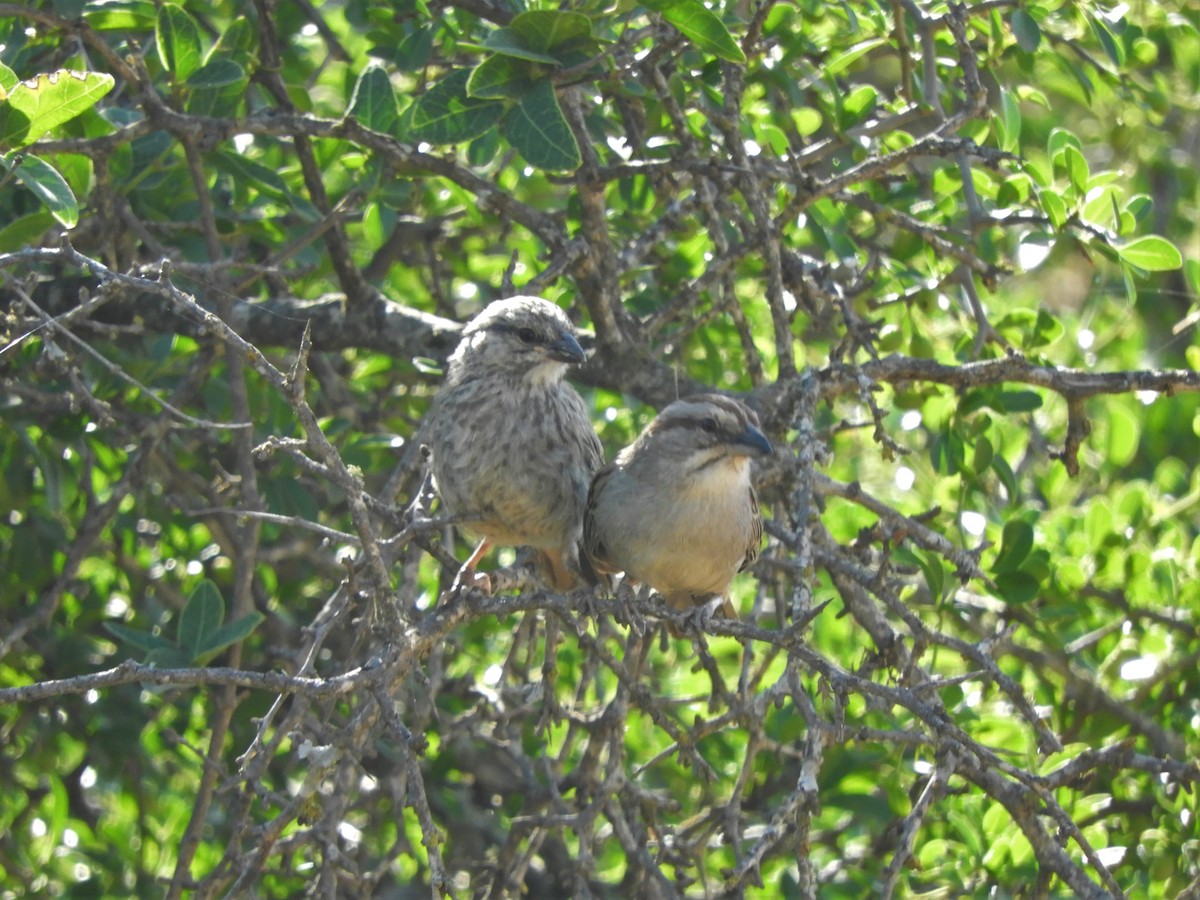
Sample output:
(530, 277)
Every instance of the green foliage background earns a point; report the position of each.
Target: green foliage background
(950, 253)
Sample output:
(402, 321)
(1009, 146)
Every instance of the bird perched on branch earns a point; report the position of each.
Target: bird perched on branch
(513, 448)
(676, 510)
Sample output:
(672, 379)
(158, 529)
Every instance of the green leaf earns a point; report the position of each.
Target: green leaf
(1077, 170)
(218, 73)
(1152, 253)
(132, 15)
(44, 181)
(1016, 401)
(539, 132)
(1112, 47)
(143, 640)
(934, 572)
(200, 619)
(8, 78)
(1007, 477)
(178, 41)
(1009, 122)
(170, 657)
(1059, 140)
(543, 30)
(1017, 588)
(698, 24)
(1124, 434)
(858, 104)
(506, 42)
(25, 231)
(846, 58)
(1015, 543)
(447, 114)
(947, 453)
(1055, 208)
(374, 102)
(500, 78)
(1046, 331)
(413, 53)
(984, 451)
(228, 634)
(36, 106)
(1191, 271)
(217, 88)
(265, 180)
(1026, 31)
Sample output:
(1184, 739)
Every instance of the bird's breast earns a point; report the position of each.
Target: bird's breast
(691, 536)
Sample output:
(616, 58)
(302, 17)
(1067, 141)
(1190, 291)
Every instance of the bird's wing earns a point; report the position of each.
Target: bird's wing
(595, 554)
(756, 530)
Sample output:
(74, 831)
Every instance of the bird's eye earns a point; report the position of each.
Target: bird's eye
(709, 424)
(527, 335)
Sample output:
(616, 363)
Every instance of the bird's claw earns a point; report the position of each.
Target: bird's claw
(468, 580)
(627, 612)
(697, 620)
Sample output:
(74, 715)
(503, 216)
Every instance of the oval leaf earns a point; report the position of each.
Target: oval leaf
(200, 619)
(218, 73)
(539, 132)
(698, 24)
(1152, 253)
(8, 78)
(1017, 588)
(500, 78)
(447, 114)
(178, 41)
(506, 42)
(374, 101)
(1026, 31)
(237, 630)
(1015, 544)
(143, 640)
(541, 30)
(36, 106)
(51, 188)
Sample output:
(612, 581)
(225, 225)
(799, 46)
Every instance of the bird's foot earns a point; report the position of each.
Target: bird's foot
(697, 620)
(586, 598)
(627, 612)
(467, 579)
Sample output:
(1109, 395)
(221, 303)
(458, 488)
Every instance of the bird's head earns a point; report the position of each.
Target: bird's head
(523, 337)
(705, 429)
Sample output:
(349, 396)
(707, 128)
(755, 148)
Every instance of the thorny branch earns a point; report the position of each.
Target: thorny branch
(521, 778)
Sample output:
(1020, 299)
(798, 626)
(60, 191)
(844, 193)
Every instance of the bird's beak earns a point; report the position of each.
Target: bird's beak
(755, 441)
(566, 349)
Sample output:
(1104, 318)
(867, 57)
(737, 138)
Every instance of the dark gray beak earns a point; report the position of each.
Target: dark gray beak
(755, 441)
(566, 349)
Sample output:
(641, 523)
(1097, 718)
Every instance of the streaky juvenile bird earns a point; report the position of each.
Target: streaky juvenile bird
(513, 448)
(676, 510)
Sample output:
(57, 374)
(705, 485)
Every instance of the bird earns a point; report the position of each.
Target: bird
(676, 510)
(512, 446)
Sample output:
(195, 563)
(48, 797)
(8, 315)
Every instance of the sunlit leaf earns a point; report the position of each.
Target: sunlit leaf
(178, 39)
(501, 78)
(44, 181)
(32, 108)
(698, 24)
(1152, 253)
(1015, 545)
